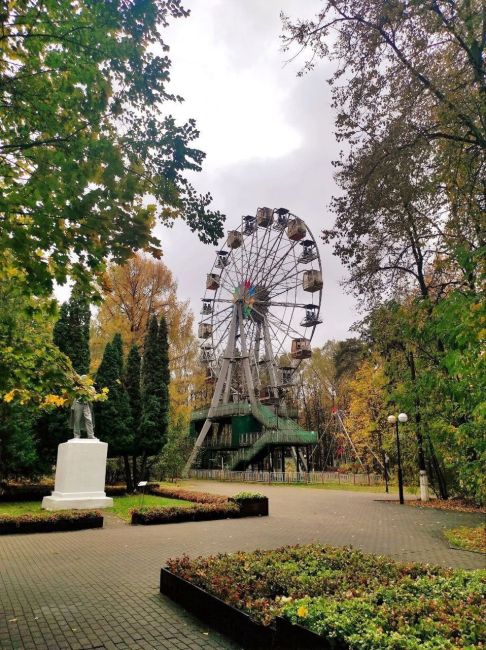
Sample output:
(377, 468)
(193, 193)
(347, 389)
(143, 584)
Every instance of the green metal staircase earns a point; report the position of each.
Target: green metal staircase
(277, 431)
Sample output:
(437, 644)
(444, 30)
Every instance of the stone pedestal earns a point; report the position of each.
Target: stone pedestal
(80, 476)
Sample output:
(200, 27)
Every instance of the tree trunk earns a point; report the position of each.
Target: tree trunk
(128, 474)
(143, 466)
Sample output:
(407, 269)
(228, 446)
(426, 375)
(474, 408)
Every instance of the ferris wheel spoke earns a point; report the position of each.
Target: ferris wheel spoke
(269, 258)
(213, 314)
(286, 286)
(277, 336)
(218, 347)
(277, 265)
(220, 323)
(284, 328)
(286, 304)
(280, 272)
(264, 253)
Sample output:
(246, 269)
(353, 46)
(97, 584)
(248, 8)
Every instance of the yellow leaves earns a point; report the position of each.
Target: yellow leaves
(21, 394)
(53, 400)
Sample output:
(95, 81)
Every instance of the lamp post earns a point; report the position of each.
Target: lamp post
(392, 419)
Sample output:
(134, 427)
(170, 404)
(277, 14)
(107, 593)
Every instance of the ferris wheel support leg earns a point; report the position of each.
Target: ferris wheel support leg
(224, 378)
(245, 360)
(269, 358)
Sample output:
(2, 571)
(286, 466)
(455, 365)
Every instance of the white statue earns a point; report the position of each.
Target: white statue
(82, 419)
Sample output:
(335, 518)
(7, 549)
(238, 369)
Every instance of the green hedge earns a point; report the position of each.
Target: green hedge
(249, 496)
(199, 512)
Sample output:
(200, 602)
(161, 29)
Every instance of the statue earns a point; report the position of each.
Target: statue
(82, 419)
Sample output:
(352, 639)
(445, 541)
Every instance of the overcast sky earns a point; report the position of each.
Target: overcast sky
(268, 136)
(267, 133)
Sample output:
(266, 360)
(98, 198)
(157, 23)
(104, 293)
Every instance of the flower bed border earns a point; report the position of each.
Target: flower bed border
(257, 507)
(46, 526)
(215, 612)
(196, 513)
(237, 625)
(206, 507)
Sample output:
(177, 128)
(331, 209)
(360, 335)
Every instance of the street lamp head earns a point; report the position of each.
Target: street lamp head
(403, 417)
(391, 419)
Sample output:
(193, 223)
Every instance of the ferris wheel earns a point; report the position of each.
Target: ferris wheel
(260, 310)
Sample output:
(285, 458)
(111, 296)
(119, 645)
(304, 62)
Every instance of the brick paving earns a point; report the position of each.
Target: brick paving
(99, 588)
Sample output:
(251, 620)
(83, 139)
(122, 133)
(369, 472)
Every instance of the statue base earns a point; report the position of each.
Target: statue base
(80, 476)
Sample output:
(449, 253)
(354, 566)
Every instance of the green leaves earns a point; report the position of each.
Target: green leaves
(84, 139)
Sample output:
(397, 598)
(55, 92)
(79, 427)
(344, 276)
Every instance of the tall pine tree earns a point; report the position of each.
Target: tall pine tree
(132, 383)
(71, 332)
(71, 335)
(165, 376)
(113, 419)
(155, 393)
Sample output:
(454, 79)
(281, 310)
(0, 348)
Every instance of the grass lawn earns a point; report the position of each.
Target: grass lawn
(348, 487)
(121, 506)
(21, 508)
(470, 539)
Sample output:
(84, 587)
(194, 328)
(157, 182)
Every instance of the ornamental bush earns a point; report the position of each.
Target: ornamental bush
(365, 601)
(248, 496)
(172, 514)
(187, 495)
(52, 517)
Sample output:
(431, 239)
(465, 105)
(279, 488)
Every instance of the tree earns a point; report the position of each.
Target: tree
(71, 335)
(132, 383)
(163, 350)
(133, 292)
(75, 175)
(113, 419)
(410, 96)
(35, 376)
(155, 395)
(366, 414)
(411, 110)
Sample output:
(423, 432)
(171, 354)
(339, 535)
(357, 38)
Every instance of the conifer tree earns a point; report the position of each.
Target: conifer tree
(163, 345)
(132, 383)
(154, 390)
(71, 335)
(113, 420)
(71, 332)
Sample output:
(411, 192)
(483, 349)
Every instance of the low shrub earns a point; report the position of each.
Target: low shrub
(170, 514)
(115, 490)
(186, 495)
(18, 492)
(470, 539)
(248, 496)
(58, 515)
(441, 613)
(367, 602)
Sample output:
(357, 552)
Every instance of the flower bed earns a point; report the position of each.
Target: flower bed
(251, 504)
(147, 515)
(344, 598)
(468, 539)
(187, 495)
(454, 505)
(46, 522)
(18, 492)
(206, 507)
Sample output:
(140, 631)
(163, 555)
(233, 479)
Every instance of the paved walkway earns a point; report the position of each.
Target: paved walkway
(99, 588)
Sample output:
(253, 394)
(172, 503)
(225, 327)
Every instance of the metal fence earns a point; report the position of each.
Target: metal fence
(286, 477)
